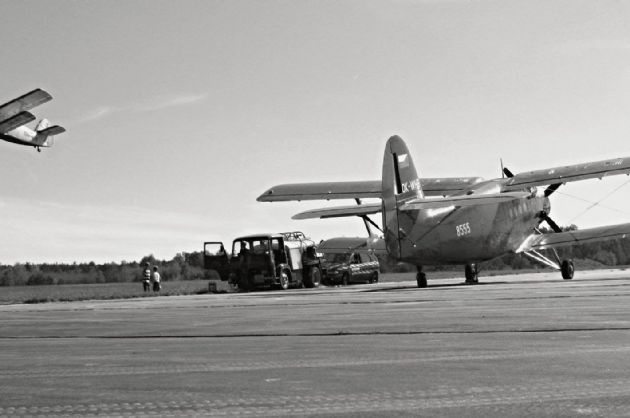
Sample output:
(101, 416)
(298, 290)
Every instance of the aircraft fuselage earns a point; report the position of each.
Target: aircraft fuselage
(468, 234)
(22, 135)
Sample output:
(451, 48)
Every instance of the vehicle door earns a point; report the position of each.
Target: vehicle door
(356, 275)
(215, 258)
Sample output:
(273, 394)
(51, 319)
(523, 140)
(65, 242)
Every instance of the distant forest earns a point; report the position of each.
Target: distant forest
(184, 266)
(189, 266)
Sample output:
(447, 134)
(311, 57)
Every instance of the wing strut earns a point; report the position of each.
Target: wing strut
(536, 256)
(367, 221)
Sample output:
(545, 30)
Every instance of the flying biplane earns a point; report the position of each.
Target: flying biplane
(436, 221)
(14, 116)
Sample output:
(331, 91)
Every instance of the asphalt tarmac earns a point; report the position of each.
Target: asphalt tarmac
(527, 345)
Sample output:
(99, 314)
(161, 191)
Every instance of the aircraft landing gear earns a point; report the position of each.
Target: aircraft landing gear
(421, 278)
(471, 272)
(567, 269)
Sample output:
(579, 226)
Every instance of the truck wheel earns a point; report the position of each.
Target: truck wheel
(284, 280)
(313, 278)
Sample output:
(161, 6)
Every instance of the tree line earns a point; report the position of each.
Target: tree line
(184, 266)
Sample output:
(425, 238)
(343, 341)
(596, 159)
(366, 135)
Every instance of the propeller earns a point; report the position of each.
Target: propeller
(552, 188)
(545, 217)
(505, 172)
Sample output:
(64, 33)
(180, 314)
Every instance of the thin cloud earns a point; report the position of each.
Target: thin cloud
(593, 45)
(155, 105)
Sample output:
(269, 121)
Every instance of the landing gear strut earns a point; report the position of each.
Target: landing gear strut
(471, 272)
(421, 278)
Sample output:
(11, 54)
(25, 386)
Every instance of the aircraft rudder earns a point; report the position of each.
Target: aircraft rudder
(400, 182)
(401, 169)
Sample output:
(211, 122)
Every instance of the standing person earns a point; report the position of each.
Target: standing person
(146, 277)
(155, 278)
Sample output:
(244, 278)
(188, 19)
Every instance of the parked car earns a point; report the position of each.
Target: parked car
(348, 260)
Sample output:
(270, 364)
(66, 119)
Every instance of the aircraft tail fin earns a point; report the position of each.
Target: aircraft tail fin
(400, 182)
(42, 124)
(45, 133)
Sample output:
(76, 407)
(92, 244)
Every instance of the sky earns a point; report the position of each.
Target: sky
(180, 113)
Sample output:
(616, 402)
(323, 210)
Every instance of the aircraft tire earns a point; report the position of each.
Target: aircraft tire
(313, 278)
(567, 269)
(471, 274)
(421, 278)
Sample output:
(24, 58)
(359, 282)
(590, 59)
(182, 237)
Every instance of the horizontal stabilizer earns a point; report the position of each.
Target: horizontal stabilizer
(591, 170)
(468, 200)
(359, 189)
(16, 121)
(24, 103)
(53, 130)
(581, 236)
(340, 211)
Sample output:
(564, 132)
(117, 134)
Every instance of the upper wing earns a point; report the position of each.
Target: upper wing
(560, 239)
(340, 211)
(595, 169)
(467, 200)
(23, 103)
(322, 191)
(358, 189)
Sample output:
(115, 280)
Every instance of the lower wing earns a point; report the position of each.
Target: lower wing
(581, 236)
(340, 211)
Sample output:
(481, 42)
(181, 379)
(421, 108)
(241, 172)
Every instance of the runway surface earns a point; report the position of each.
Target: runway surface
(527, 345)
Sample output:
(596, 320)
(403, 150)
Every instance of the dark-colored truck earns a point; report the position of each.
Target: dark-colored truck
(282, 260)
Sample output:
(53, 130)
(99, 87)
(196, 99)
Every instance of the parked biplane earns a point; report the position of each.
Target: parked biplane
(14, 116)
(436, 221)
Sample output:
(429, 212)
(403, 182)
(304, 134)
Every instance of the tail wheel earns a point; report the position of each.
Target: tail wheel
(567, 269)
(313, 278)
(284, 280)
(374, 278)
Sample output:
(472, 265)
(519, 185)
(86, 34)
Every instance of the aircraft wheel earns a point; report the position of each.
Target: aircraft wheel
(314, 278)
(421, 278)
(471, 274)
(567, 269)
(345, 279)
(284, 280)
